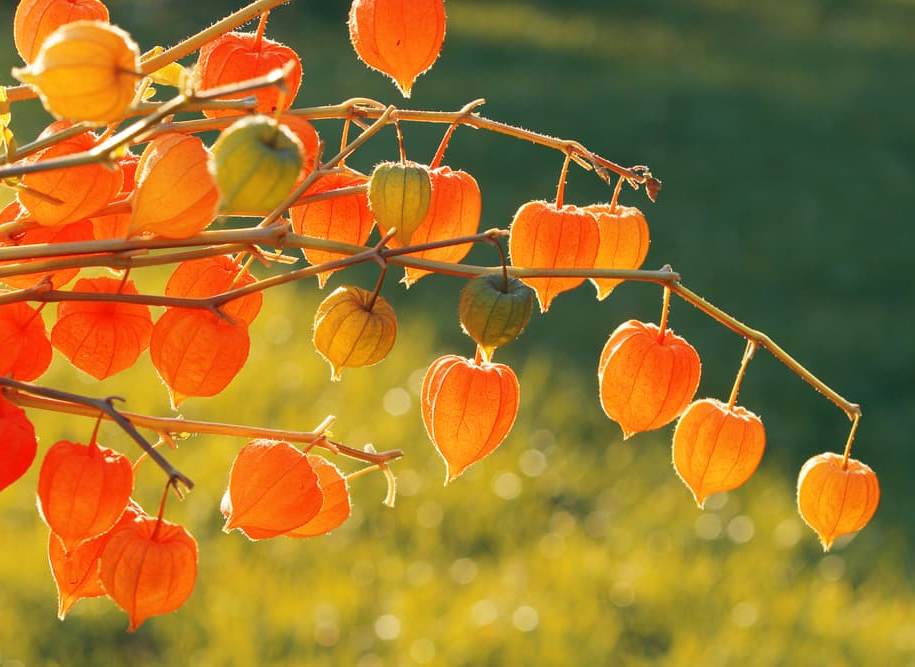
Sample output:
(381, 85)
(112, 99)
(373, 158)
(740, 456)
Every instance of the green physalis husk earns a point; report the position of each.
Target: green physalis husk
(493, 315)
(399, 196)
(256, 162)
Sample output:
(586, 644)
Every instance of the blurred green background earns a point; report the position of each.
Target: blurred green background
(784, 135)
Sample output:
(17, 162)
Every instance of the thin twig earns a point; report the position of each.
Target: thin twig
(176, 426)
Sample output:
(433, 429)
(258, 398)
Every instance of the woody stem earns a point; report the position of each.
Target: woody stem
(106, 407)
(171, 426)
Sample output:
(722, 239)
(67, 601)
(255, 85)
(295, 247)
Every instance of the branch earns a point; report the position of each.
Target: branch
(92, 407)
(278, 237)
(853, 410)
(267, 235)
(8, 230)
(102, 152)
(371, 109)
(176, 426)
(123, 261)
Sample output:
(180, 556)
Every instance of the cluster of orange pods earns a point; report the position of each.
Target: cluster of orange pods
(648, 377)
(101, 542)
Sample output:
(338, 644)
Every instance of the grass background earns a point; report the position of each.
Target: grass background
(782, 134)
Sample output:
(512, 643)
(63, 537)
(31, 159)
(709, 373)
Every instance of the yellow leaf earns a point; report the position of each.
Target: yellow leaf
(172, 74)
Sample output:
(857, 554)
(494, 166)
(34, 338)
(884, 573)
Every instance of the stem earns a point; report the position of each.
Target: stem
(161, 513)
(378, 285)
(400, 143)
(125, 261)
(124, 279)
(261, 27)
(92, 407)
(344, 137)
(850, 441)
(362, 472)
(563, 174)
(503, 260)
(747, 355)
(443, 146)
(616, 193)
(93, 440)
(267, 235)
(665, 314)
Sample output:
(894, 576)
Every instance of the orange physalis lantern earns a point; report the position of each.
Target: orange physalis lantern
(717, 447)
(149, 567)
(18, 444)
(835, 498)
(102, 337)
(397, 38)
(83, 490)
(346, 219)
(77, 231)
(196, 353)
(273, 488)
(353, 329)
(176, 195)
(25, 351)
(646, 378)
(454, 210)
(85, 71)
(61, 196)
(117, 225)
(237, 56)
(544, 235)
(624, 240)
(335, 507)
(468, 409)
(36, 19)
(200, 278)
(76, 574)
